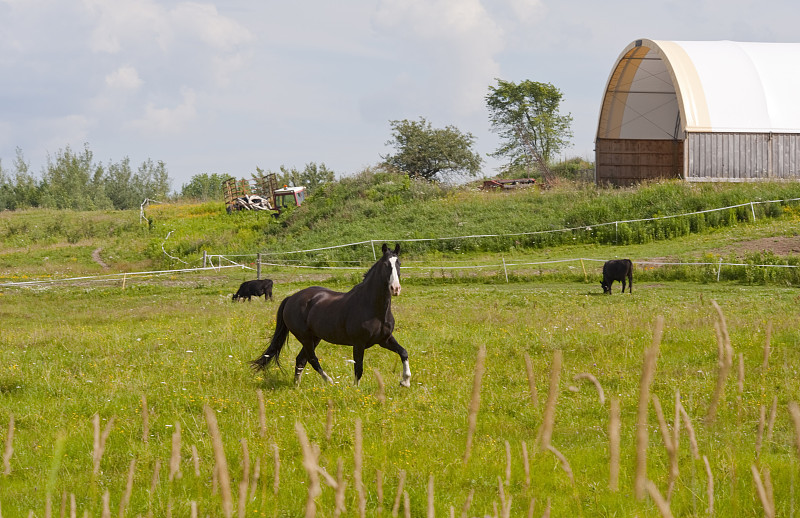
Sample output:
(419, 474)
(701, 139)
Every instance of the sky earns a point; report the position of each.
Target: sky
(228, 86)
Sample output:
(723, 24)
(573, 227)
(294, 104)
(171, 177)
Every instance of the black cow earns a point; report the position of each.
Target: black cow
(254, 288)
(617, 270)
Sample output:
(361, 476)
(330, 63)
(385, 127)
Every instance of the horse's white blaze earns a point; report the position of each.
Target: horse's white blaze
(394, 280)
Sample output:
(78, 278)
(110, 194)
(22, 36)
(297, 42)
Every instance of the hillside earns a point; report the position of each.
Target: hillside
(384, 207)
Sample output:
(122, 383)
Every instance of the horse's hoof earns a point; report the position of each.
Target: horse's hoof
(405, 383)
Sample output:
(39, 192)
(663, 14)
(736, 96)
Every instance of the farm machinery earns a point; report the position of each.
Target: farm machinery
(261, 193)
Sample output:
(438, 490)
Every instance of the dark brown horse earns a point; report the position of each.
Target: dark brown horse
(360, 318)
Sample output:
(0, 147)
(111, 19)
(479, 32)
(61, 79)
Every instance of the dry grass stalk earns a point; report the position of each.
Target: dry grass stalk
(475, 401)
(531, 382)
(676, 422)
(262, 413)
(193, 509)
(9, 446)
(175, 458)
(564, 463)
(669, 445)
(724, 366)
(312, 469)
(195, 461)
(648, 372)
(431, 512)
(48, 506)
(773, 412)
(526, 465)
(381, 396)
(660, 501)
(400, 483)
(358, 464)
(508, 463)
(548, 419)
(100, 441)
(687, 423)
(467, 503)
(505, 502)
(709, 486)
(73, 506)
(767, 347)
(406, 505)
(220, 461)
(502, 493)
(768, 488)
(379, 488)
(341, 484)
(154, 479)
(614, 427)
(244, 483)
(106, 513)
(762, 420)
(769, 509)
(546, 513)
(145, 421)
(63, 505)
(256, 477)
(590, 377)
(329, 421)
(276, 457)
(531, 507)
(126, 497)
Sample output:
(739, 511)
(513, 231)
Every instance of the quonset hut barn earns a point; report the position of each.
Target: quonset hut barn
(704, 111)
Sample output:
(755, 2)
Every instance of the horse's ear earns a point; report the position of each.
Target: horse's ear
(397, 249)
(384, 248)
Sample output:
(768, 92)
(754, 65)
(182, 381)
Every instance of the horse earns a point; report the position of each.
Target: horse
(360, 318)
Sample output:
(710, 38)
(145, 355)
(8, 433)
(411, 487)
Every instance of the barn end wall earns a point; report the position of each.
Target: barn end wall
(622, 162)
(743, 157)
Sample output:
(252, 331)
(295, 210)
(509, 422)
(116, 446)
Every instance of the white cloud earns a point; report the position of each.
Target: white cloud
(166, 120)
(204, 22)
(458, 41)
(124, 78)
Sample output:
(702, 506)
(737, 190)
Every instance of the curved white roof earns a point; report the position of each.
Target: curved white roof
(661, 89)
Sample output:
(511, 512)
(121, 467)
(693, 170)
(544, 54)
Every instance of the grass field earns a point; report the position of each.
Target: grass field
(70, 353)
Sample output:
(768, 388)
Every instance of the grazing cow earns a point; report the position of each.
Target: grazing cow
(617, 270)
(254, 288)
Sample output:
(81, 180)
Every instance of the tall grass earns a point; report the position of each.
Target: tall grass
(186, 349)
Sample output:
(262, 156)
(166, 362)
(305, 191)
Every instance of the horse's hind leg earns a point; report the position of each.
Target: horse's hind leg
(299, 365)
(311, 357)
(393, 345)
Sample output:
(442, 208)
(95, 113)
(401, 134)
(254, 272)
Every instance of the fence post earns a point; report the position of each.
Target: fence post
(258, 265)
(374, 257)
(753, 211)
(719, 269)
(505, 269)
(205, 257)
(585, 277)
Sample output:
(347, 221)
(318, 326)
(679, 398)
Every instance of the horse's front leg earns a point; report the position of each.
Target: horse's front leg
(358, 362)
(393, 345)
(299, 365)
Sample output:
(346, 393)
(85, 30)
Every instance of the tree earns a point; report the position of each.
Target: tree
(526, 116)
(432, 154)
(311, 177)
(204, 187)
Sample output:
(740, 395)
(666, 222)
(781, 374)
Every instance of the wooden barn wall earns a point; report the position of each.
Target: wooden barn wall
(742, 157)
(629, 161)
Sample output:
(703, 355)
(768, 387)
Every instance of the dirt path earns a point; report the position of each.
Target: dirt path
(99, 260)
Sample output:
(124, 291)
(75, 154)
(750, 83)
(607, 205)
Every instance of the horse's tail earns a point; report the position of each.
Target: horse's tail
(276, 345)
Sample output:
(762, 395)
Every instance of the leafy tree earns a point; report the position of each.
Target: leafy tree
(73, 181)
(432, 154)
(526, 116)
(205, 187)
(312, 177)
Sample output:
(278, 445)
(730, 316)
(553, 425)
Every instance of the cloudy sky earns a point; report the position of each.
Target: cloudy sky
(223, 87)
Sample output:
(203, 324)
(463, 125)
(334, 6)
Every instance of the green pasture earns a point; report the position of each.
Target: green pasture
(178, 343)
